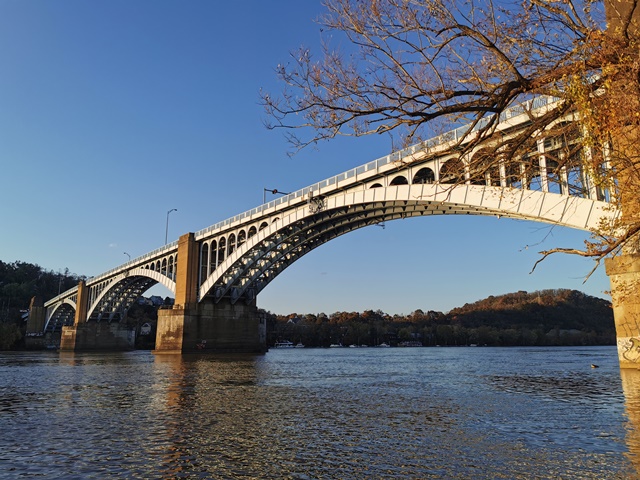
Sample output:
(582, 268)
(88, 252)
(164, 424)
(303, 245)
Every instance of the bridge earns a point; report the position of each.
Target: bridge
(217, 273)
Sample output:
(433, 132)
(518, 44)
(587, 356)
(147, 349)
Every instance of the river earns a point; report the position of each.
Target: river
(469, 413)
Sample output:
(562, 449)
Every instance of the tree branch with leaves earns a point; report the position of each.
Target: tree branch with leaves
(413, 68)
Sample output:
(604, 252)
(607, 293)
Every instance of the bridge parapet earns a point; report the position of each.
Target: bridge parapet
(147, 258)
(439, 145)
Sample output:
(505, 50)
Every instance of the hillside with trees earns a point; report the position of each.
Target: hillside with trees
(19, 282)
(548, 317)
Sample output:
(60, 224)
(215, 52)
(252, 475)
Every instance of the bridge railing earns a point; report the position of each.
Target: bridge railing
(135, 261)
(442, 139)
(61, 296)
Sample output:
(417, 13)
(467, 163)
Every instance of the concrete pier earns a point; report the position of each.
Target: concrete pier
(211, 327)
(97, 336)
(206, 326)
(624, 275)
(35, 339)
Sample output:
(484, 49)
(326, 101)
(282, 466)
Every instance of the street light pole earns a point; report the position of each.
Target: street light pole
(125, 253)
(166, 230)
(275, 191)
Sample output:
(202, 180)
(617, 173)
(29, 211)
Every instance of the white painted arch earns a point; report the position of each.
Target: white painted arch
(551, 208)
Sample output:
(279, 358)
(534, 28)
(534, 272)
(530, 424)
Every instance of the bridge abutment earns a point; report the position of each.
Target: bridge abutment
(210, 327)
(624, 275)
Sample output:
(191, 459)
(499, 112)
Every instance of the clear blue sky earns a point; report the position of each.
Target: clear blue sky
(114, 112)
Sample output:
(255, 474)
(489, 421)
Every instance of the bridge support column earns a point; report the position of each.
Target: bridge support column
(97, 336)
(624, 275)
(211, 327)
(206, 326)
(35, 324)
(92, 336)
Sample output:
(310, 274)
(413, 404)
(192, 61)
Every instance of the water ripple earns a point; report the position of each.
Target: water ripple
(306, 414)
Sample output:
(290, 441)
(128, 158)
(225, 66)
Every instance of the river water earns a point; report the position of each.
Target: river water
(469, 413)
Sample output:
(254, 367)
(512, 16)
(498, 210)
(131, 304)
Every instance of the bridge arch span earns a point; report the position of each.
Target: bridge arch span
(248, 269)
(113, 301)
(60, 314)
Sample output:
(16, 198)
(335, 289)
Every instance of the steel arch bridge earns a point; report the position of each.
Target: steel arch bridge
(238, 257)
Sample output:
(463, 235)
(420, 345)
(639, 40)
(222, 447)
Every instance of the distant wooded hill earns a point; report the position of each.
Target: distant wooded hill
(564, 309)
(20, 281)
(548, 317)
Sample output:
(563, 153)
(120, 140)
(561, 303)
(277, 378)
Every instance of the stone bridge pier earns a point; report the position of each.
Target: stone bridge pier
(206, 326)
(624, 275)
(35, 324)
(211, 327)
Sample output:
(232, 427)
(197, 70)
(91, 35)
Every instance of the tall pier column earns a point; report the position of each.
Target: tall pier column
(94, 336)
(624, 275)
(623, 22)
(35, 324)
(206, 326)
(211, 327)
(69, 333)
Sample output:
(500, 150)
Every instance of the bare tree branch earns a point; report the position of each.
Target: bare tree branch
(413, 65)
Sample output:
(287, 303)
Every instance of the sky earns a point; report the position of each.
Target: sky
(114, 112)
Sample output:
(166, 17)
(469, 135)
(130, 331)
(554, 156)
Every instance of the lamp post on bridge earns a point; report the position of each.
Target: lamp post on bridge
(125, 253)
(166, 230)
(274, 191)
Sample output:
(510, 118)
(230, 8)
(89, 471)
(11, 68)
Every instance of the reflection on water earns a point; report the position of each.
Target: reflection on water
(631, 387)
(335, 413)
(212, 415)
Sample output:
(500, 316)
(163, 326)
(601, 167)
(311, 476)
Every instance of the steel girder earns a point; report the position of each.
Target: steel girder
(254, 265)
(114, 302)
(63, 315)
(263, 262)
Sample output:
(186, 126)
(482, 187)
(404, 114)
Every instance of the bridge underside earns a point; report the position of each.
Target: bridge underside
(253, 266)
(116, 301)
(63, 316)
(267, 260)
(219, 310)
(108, 305)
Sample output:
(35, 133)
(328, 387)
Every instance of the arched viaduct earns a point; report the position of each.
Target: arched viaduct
(217, 273)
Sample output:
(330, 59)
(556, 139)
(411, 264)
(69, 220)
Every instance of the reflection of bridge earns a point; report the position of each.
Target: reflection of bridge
(217, 272)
